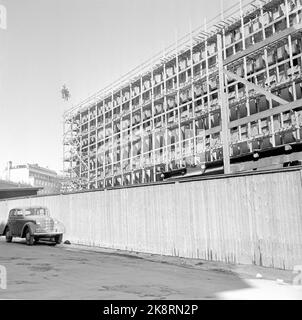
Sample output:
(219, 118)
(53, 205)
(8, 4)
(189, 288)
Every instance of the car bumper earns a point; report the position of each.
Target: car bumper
(47, 235)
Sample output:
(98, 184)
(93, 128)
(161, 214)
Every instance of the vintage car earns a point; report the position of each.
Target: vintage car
(33, 223)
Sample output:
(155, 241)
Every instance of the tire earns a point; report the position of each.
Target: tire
(29, 238)
(58, 239)
(8, 235)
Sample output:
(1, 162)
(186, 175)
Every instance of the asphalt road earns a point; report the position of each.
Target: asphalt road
(62, 272)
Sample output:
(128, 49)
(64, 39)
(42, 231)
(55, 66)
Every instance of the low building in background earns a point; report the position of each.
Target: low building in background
(35, 176)
(10, 189)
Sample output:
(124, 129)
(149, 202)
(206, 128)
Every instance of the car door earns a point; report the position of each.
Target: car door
(19, 222)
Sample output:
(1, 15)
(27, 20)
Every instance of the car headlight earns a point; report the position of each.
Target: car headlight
(59, 226)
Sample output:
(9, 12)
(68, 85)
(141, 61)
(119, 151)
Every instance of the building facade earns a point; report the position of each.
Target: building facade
(228, 94)
(34, 175)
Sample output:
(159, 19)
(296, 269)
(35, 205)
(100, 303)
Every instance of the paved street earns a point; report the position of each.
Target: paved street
(67, 272)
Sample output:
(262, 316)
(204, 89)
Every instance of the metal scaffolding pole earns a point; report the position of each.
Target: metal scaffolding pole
(224, 109)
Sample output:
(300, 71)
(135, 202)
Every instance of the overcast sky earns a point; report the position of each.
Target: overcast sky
(86, 44)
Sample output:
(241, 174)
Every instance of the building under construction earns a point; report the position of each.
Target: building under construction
(225, 98)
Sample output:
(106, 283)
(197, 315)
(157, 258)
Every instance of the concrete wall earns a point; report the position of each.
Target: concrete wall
(255, 218)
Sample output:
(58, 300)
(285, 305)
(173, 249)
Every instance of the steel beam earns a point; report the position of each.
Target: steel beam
(267, 42)
(269, 112)
(224, 109)
(260, 115)
(255, 87)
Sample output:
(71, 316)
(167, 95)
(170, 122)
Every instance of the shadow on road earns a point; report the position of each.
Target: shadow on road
(22, 242)
(40, 273)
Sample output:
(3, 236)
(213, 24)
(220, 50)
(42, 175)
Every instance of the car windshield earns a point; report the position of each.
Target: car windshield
(36, 212)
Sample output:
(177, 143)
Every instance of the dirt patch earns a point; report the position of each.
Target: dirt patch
(19, 282)
(158, 292)
(77, 259)
(42, 268)
(130, 256)
(222, 271)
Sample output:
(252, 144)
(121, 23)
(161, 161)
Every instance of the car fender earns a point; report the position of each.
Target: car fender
(31, 226)
(3, 227)
(3, 224)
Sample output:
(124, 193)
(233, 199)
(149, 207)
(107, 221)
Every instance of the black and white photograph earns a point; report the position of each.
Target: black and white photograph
(151, 153)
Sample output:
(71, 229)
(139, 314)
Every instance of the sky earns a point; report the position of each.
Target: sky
(85, 44)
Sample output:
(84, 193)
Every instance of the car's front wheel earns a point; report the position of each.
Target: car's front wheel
(8, 235)
(58, 239)
(29, 238)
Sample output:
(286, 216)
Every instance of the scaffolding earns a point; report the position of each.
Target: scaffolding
(219, 94)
